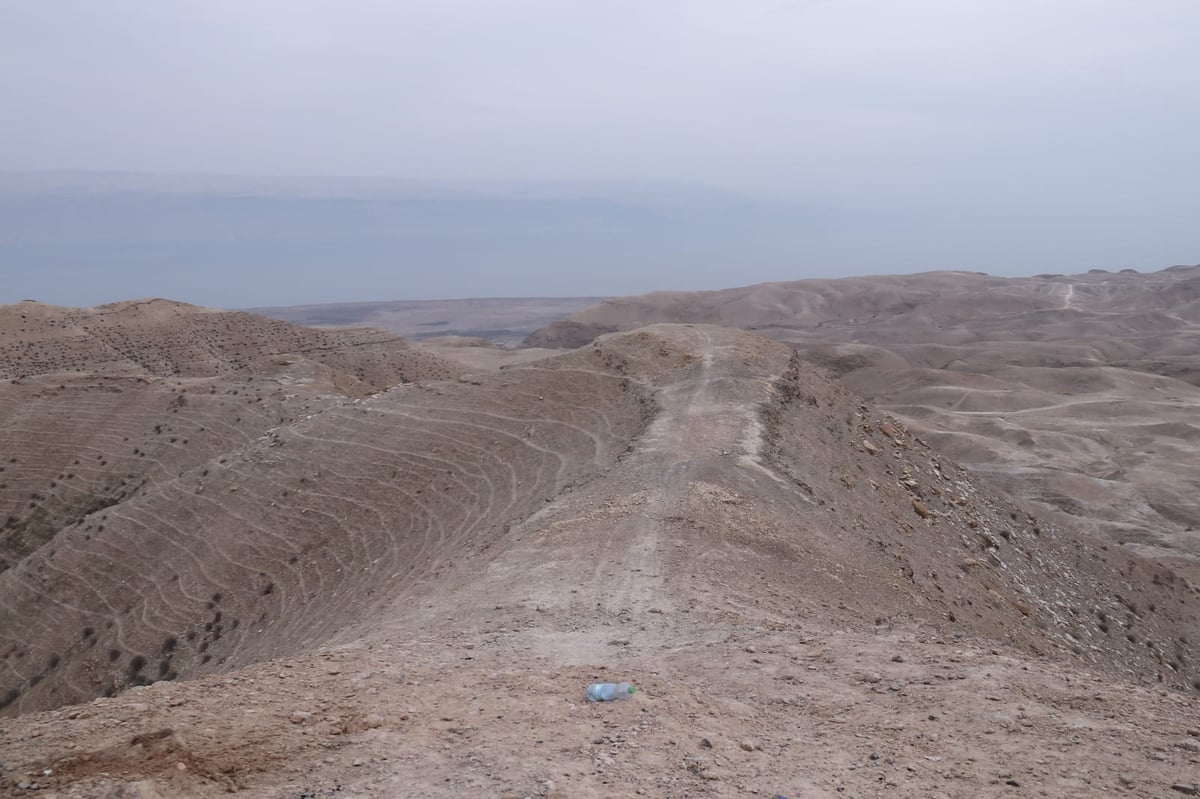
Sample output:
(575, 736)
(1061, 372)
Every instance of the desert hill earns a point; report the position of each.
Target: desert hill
(160, 338)
(291, 530)
(406, 594)
(1078, 393)
(101, 403)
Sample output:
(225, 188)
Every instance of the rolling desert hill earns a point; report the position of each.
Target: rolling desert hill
(406, 593)
(102, 403)
(1077, 393)
(160, 338)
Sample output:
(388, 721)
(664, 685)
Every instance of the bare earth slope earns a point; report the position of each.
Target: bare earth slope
(1079, 393)
(812, 601)
(273, 545)
(161, 338)
(98, 404)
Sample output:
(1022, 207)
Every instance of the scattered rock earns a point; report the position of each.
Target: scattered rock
(869, 446)
(921, 510)
(749, 745)
(705, 743)
(1185, 789)
(299, 716)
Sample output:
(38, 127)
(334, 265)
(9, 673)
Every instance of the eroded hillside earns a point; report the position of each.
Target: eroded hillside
(1078, 393)
(98, 404)
(160, 338)
(272, 545)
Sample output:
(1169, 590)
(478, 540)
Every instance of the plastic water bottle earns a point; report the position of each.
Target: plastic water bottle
(604, 691)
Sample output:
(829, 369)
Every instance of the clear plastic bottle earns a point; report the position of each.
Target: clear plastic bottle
(604, 691)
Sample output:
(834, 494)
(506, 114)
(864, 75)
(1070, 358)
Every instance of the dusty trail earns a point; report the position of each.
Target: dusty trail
(692, 421)
(596, 559)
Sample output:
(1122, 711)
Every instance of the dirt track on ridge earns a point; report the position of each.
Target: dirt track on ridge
(1075, 392)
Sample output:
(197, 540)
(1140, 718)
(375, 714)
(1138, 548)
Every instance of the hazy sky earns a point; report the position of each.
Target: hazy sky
(985, 115)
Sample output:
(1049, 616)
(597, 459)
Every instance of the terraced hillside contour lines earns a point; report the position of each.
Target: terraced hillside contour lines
(97, 404)
(270, 544)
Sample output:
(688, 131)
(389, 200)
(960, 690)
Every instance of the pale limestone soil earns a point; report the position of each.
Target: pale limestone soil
(833, 713)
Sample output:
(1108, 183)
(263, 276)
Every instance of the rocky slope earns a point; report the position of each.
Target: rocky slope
(1078, 393)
